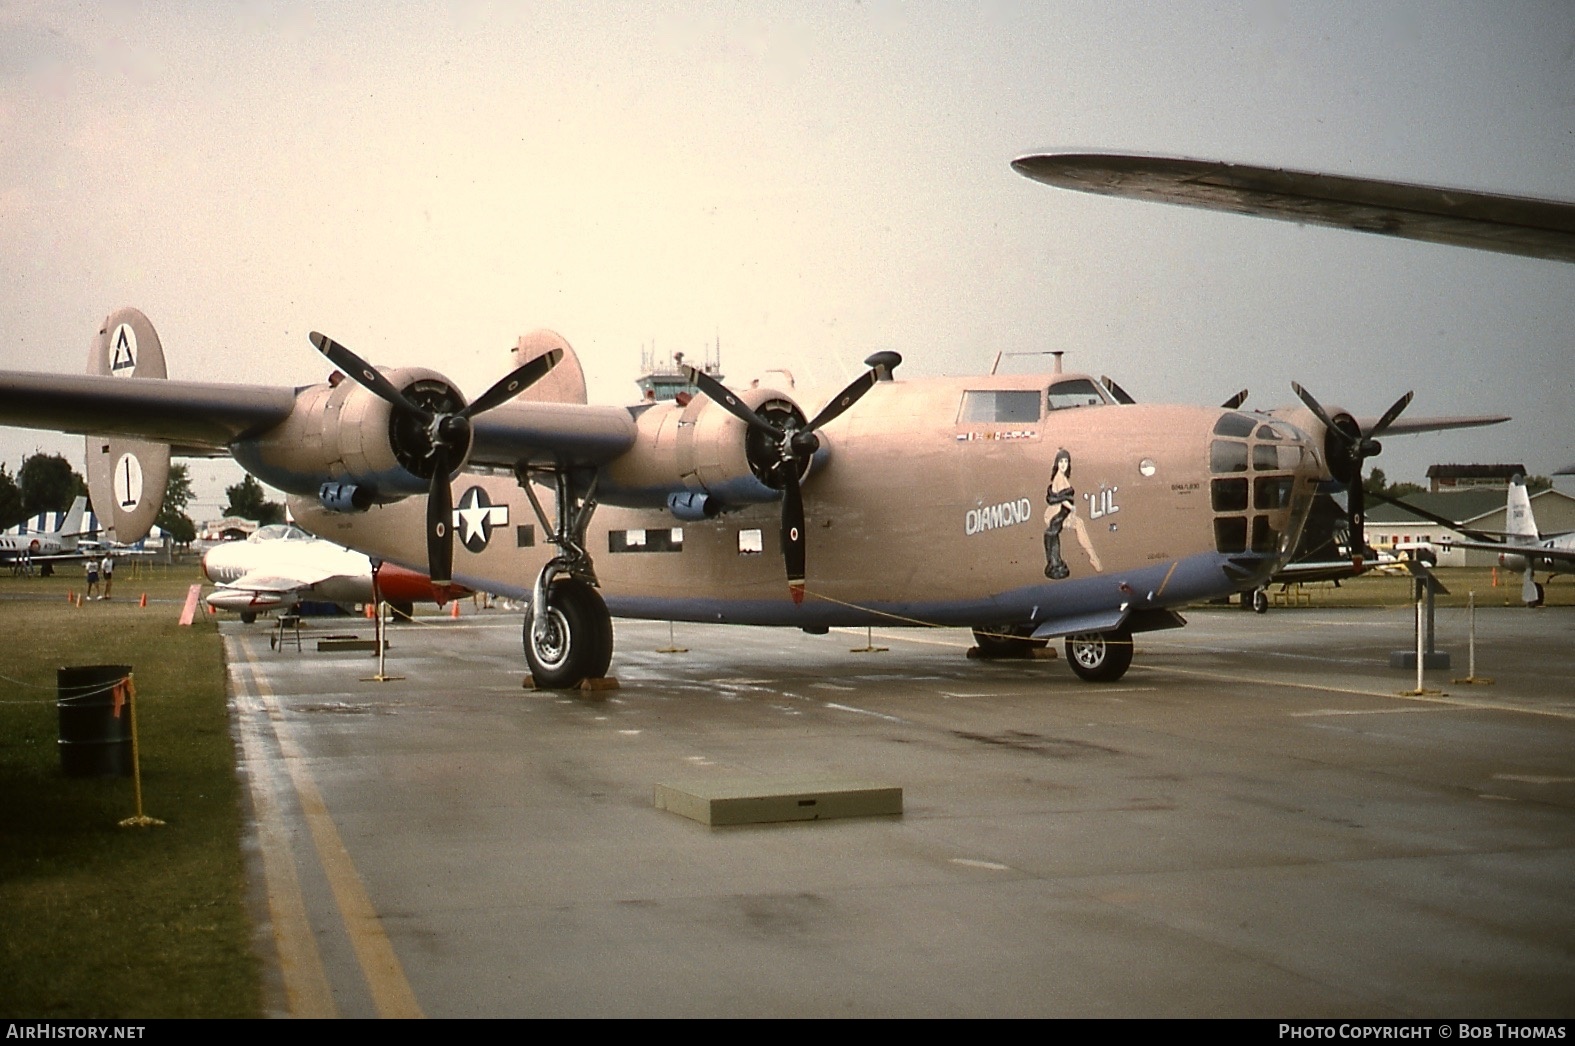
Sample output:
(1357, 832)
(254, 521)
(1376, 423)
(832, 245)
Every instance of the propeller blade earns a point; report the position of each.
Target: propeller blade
(514, 383)
(365, 375)
(1356, 508)
(719, 394)
(440, 521)
(1318, 411)
(844, 399)
(1389, 417)
(1236, 401)
(793, 534)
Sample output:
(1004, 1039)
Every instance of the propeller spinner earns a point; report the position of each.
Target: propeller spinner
(795, 445)
(1355, 446)
(441, 433)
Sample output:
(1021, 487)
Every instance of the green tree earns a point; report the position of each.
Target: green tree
(1377, 483)
(48, 483)
(1536, 484)
(172, 517)
(248, 501)
(10, 500)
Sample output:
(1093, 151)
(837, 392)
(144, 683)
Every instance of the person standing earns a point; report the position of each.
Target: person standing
(92, 580)
(107, 569)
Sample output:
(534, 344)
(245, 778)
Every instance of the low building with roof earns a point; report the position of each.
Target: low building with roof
(1442, 478)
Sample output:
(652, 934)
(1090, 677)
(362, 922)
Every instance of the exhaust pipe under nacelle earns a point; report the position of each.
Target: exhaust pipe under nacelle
(693, 506)
(345, 497)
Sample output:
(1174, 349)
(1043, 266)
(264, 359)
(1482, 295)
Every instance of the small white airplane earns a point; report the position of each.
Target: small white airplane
(281, 566)
(1522, 547)
(46, 546)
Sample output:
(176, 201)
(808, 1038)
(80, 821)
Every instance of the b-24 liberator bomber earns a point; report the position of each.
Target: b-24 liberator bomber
(1028, 507)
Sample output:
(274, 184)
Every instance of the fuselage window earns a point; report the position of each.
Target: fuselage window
(1272, 492)
(1264, 537)
(1230, 534)
(1228, 456)
(995, 406)
(1229, 495)
(664, 539)
(1234, 425)
(1076, 392)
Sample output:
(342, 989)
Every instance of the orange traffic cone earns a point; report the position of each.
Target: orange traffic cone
(71, 596)
(143, 602)
(454, 609)
(1495, 577)
(371, 611)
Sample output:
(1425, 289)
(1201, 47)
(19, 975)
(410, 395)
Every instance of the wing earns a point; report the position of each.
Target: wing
(551, 433)
(206, 418)
(1317, 570)
(1535, 228)
(198, 418)
(1550, 553)
(1407, 426)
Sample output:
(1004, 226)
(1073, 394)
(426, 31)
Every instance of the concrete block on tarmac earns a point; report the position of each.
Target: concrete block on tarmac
(760, 800)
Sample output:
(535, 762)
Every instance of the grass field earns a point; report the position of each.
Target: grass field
(101, 920)
(1395, 590)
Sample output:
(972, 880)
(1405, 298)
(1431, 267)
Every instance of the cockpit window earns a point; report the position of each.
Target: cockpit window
(1074, 392)
(280, 532)
(994, 406)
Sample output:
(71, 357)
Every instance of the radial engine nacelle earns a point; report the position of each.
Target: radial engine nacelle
(350, 448)
(699, 459)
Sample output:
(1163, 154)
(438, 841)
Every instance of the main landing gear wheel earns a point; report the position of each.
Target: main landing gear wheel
(1100, 657)
(577, 642)
(1542, 595)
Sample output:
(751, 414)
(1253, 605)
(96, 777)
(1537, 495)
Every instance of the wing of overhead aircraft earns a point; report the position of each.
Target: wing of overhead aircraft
(1534, 228)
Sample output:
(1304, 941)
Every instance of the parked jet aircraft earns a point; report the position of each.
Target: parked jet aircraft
(281, 566)
(900, 502)
(47, 546)
(1521, 547)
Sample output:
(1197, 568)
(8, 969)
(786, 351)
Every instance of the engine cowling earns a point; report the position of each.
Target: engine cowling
(699, 448)
(345, 436)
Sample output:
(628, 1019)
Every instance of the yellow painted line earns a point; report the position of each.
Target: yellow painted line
(306, 988)
(1444, 700)
(385, 977)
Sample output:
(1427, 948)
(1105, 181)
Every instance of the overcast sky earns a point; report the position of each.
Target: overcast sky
(810, 182)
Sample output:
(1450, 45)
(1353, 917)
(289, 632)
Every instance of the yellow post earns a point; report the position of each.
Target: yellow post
(141, 820)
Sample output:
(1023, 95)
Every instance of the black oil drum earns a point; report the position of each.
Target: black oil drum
(95, 721)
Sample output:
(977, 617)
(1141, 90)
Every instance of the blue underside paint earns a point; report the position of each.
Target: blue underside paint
(1197, 578)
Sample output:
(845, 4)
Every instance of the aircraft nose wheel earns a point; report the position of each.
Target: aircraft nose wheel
(1100, 657)
(575, 642)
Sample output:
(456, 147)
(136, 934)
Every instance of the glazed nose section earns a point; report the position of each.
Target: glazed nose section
(1262, 476)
